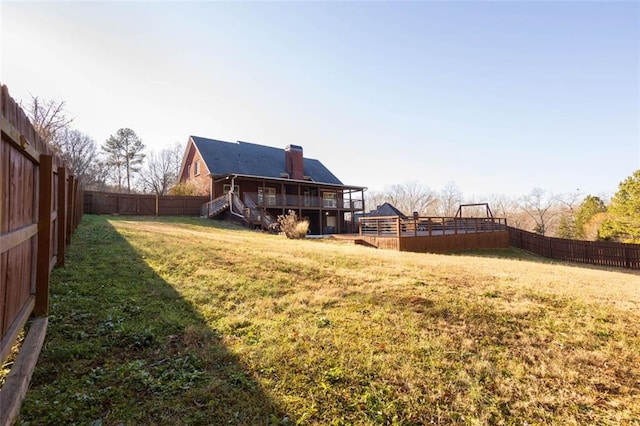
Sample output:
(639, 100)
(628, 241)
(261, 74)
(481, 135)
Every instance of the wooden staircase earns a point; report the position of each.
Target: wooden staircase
(258, 217)
(214, 207)
(250, 214)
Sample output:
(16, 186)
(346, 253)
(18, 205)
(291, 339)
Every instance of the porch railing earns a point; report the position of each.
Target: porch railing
(300, 201)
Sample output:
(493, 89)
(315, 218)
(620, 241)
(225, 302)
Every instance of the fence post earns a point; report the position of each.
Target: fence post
(62, 214)
(78, 195)
(70, 208)
(43, 271)
(157, 205)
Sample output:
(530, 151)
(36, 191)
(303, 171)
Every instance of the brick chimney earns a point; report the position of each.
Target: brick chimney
(294, 161)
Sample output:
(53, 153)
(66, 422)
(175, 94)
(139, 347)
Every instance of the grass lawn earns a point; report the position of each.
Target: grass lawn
(188, 321)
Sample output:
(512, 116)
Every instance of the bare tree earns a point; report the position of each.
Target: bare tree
(160, 172)
(374, 199)
(47, 117)
(410, 197)
(176, 154)
(568, 203)
(79, 153)
(540, 207)
(420, 197)
(508, 207)
(450, 198)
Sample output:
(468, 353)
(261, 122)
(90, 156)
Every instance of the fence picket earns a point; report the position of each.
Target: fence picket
(590, 252)
(37, 215)
(96, 202)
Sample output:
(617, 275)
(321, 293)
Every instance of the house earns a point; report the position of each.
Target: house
(385, 209)
(255, 183)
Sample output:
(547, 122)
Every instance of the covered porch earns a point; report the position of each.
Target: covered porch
(330, 208)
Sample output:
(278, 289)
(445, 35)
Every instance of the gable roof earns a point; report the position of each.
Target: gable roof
(385, 210)
(244, 158)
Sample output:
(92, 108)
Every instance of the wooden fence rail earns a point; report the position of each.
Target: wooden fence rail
(142, 204)
(591, 252)
(40, 206)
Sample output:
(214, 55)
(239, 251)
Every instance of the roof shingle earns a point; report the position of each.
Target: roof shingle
(246, 158)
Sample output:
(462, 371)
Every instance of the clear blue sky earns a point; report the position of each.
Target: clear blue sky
(499, 97)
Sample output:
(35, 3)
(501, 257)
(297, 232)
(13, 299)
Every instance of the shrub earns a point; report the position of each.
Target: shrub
(189, 188)
(183, 188)
(291, 226)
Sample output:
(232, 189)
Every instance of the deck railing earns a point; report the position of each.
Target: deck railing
(300, 201)
(394, 226)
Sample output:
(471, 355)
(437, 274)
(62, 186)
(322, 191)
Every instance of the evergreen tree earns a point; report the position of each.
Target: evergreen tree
(566, 227)
(124, 155)
(587, 210)
(624, 221)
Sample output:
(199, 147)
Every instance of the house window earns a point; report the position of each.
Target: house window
(329, 199)
(196, 167)
(267, 196)
(188, 170)
(227, 188)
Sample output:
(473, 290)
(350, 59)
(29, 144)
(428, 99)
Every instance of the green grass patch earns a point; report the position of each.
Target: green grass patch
(187, 321)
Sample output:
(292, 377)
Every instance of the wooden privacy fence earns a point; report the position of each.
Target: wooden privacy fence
(591, 252)
(142, 204)
(40, 206)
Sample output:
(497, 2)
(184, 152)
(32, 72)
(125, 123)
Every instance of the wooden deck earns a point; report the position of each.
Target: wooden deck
(434, 234)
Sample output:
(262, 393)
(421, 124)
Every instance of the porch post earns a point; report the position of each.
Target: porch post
(299, 203)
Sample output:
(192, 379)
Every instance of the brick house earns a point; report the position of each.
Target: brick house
(255, 183)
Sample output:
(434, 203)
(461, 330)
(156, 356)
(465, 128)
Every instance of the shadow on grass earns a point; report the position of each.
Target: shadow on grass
(185, 220)
(123, 347)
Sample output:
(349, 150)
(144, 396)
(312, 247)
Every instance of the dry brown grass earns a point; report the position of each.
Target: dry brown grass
(334, 333)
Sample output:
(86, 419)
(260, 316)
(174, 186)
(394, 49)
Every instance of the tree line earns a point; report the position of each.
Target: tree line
(571, 216)
(120, 164)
